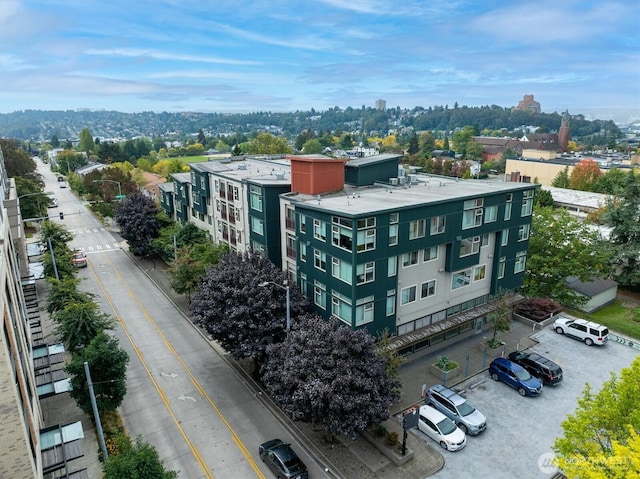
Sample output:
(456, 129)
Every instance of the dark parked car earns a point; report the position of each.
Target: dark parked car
(539, 366)
(282, 461)
(502, 369)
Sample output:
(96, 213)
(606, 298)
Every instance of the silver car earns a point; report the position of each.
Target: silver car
(456, 408)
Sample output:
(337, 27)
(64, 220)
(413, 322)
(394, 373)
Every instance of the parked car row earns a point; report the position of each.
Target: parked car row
(447, 417)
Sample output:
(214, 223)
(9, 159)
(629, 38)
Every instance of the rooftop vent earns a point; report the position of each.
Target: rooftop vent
(280, 176)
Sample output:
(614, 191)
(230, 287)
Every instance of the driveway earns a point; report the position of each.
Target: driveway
(521, 430)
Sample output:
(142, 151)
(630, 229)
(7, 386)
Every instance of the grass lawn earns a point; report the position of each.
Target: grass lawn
(615, 316)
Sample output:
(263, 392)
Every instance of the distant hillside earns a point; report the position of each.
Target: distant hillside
(39, 126)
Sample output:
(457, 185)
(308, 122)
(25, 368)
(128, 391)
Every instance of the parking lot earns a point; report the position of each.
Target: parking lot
(521, 430)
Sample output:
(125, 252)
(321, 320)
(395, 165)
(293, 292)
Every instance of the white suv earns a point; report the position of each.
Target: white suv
(441, 429)
(583, 330)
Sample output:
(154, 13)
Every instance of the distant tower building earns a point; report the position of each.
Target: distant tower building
(381, 105)
(563, 134)
(528, 103)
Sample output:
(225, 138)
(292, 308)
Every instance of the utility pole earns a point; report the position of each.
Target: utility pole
(96, 415)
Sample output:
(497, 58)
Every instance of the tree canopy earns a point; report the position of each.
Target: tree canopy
(624, 216)
(601, 439)
(300, 375)
(79, 322)
(135, 460)
(138, 220)
(560, 246)
(108, 368)
(17, 161)
(241, 315)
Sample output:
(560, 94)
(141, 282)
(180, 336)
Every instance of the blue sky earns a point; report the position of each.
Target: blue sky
(287, 55)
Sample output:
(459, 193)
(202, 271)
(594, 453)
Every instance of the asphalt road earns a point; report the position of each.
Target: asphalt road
(521, 430)
(182, 396)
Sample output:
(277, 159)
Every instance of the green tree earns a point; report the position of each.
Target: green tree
(86, 142)
(79, 322)
(543, 198)
(267, 144)
(55, 142)
(191, 265)
(560, 246)
(108, 368)
(427, 143)
(33, 201)
(414, 145)
(600, 439)
(561, 180)
(312, 146)
(138, 460)
(201, 138)
(64, 292)
(18, 162)
(624, 216)
(462, 139)
(612, 182)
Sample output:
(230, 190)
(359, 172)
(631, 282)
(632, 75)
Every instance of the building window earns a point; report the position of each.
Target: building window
(479, 272)
(507, 207)
(409, 259)
(473, 212)
(393, 229)
(523, 232)
(303, 251)
(527, 203)
(341, 270)
(320, 260)
(303, 224)
(485, 240)
(216, 185)
(364, 310)
(428, 289)
(505, 237)
(366, 234)
(502, 266)
(521, 260)
(429, 254)
(365, 273)
(320, 294)
(236, 195)
(393, 235)
(319, 230)
(255, 194)
(392, 266)
(417, 229)
(491, 214)
(469, 246)
(408, 295)
(257, 226)
(461, 279)
(342, 233)
(341, 307)
(391, 302)
(437, 225)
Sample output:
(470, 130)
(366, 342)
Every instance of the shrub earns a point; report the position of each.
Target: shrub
(445, 364)
(380, 430)
(392, 439)
(537, 309)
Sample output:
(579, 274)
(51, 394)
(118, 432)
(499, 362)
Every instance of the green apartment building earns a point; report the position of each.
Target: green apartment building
(417, 255)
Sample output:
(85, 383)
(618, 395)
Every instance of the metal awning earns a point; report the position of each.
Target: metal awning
(59, 445)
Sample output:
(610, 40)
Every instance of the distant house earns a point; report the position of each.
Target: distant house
(493, 148)
(85, 170)
(150, 186)
(599, 292)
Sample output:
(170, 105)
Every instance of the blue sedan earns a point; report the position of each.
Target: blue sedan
(501, 369)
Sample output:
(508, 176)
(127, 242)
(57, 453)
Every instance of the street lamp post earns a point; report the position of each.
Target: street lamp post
(286, 288)
(112, 181)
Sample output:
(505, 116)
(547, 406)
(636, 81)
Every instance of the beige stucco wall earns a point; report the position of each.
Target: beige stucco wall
(544, 172)
(538, 154)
